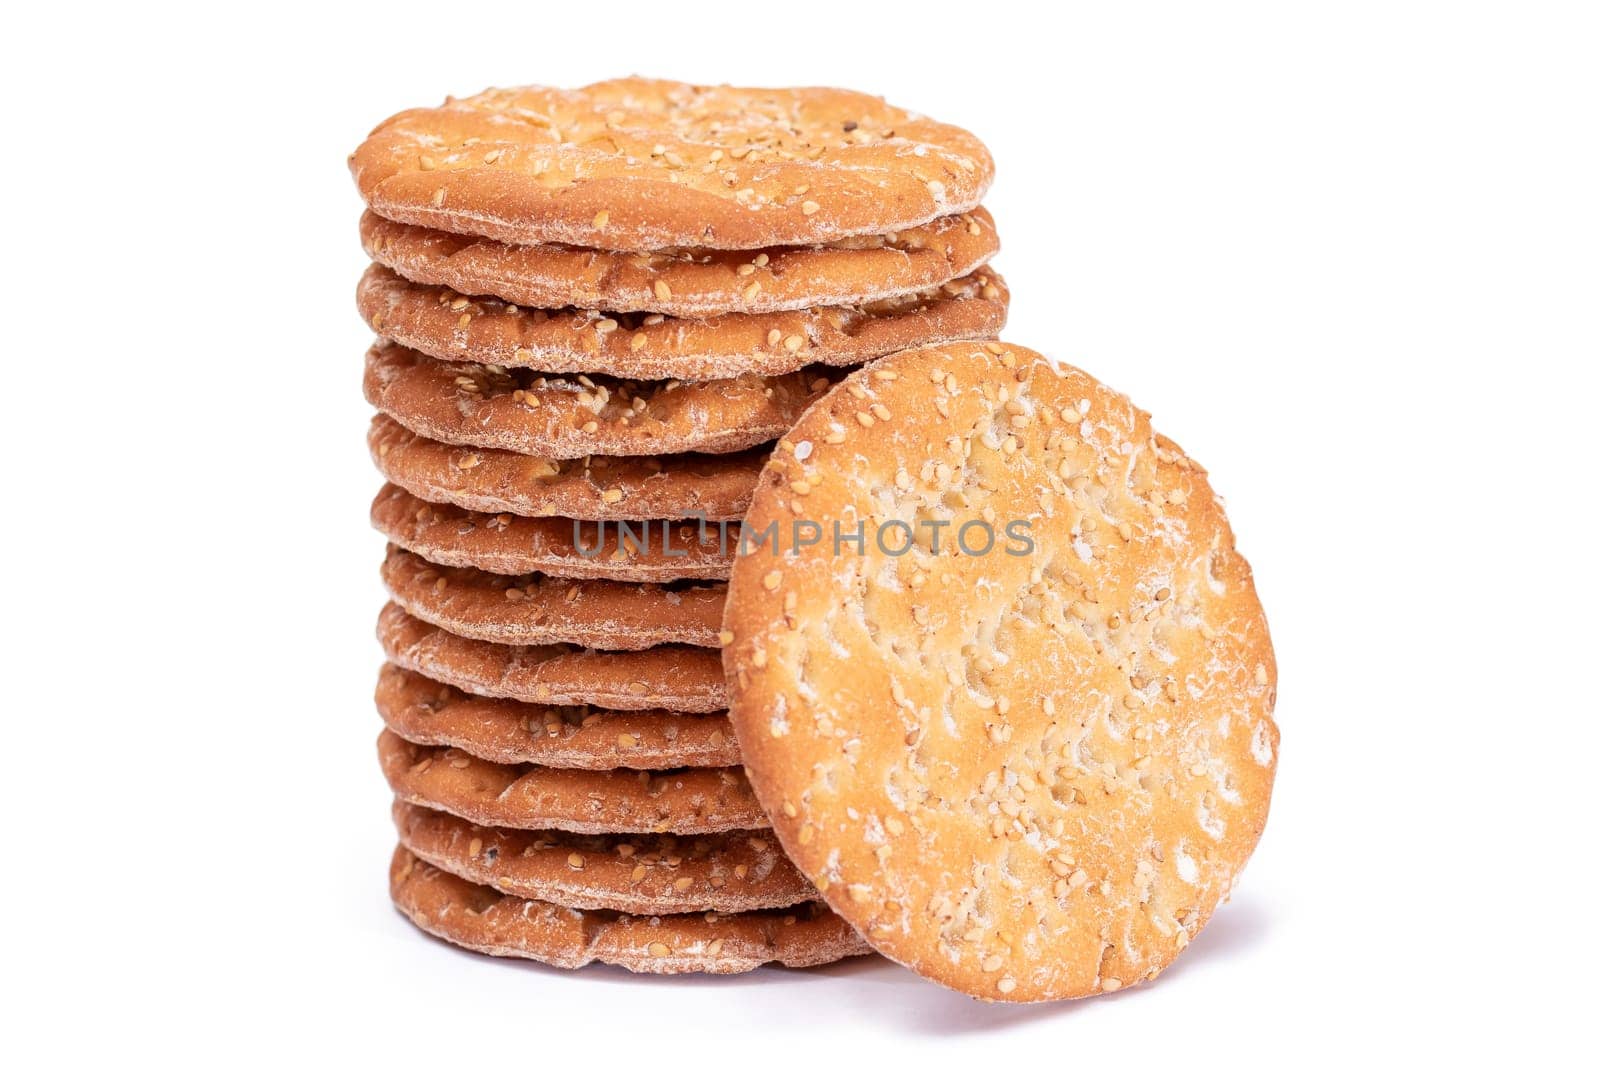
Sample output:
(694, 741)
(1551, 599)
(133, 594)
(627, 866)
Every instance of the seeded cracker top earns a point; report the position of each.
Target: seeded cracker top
(1027, 776)
(637, 164)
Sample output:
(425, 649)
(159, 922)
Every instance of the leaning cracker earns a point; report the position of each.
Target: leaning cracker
(481, 406)
(535, 610)
(440, 322)
(595, 487)
(668, 677)
(637, 164)
(688, 282)
(696, 800)
(1026, 774)
(564, 548)
(551, 735)
(485, 920)
(643, 874)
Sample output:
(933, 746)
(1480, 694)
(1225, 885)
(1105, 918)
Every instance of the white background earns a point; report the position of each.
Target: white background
(1346, 253)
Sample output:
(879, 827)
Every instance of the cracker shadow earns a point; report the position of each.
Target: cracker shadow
(1236, 928)
(893, 996)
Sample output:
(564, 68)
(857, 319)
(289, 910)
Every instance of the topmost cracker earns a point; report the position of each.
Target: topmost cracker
(637, 164)
(1000, 679)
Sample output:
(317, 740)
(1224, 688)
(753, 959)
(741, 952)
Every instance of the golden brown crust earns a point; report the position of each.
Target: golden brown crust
(688, 283)
(1055, 762)
(594, 488)
(563, 548)
(643, 874)
(536, 610)
(637, 163)
(551, 735)
(481, 406)
(698, 800)
(445, 324)
(485, 920)
(668, 677)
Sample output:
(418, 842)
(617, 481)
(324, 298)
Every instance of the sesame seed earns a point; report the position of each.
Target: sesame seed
(575, 861)
(601, 219)
(810, 207)
(663, 290)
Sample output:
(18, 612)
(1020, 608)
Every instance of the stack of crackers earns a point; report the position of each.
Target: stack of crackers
(596, 311)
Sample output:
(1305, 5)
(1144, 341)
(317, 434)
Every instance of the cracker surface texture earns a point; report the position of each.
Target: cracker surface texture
(642, 874)
(637, 164)
(485, 920)
(1028, 775)
(441, 322)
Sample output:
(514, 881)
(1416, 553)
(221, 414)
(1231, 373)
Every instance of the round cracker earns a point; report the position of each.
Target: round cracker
(1027, 775)
(485, 920)
(643, 874)
(552, 735)
(636, 163)
(594, 488)
(481, 406)
(440, 322)
(688, 283)
(536, 610)
(659, 551)
(695, 800)
(668, 677)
